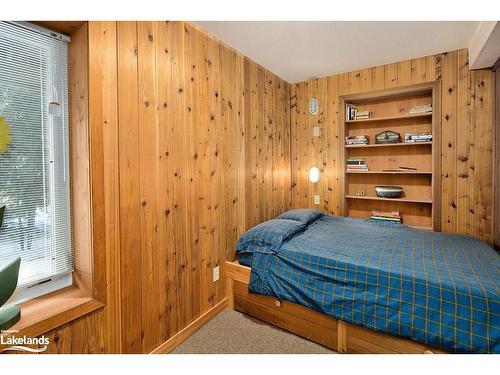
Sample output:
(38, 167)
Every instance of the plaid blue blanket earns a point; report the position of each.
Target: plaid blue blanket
(435, 288)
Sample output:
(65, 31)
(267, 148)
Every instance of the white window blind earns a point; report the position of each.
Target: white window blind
(34, 171)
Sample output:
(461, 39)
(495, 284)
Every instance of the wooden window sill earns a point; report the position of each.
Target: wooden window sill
(52, 310)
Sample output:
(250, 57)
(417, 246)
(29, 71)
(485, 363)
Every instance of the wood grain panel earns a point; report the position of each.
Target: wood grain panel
(466, 135)
(104, 110)
(148, 180)
(129, 197)
(169, 195)
(448, 142)
(483, 160)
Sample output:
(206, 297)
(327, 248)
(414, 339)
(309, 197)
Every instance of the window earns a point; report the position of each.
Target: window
(34, 158)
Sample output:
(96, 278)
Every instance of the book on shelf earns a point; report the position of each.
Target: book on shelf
(356, 161)
(418, 137)
(392, 216)
(385, 219)
(421, 108)
(350, 111)
(356, 164)
(399, 169)
(357, 140)
(363, 115)
(357, 168)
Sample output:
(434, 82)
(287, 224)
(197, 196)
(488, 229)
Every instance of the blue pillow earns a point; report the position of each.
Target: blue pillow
(304, 215)
(270, 234)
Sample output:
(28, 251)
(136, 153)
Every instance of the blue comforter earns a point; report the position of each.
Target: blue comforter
(436, 288)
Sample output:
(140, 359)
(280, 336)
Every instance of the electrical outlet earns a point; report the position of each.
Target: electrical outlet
(215, 274)
(316, 199)
(316, 131)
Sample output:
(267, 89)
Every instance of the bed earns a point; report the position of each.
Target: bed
(439, 291)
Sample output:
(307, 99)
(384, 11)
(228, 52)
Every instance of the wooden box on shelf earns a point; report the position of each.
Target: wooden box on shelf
(390, 110)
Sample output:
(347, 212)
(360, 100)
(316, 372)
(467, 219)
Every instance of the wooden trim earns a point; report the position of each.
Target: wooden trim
(383, 94)
(182, 335)
(80, 159)
(496, 65)
(64, 27)
(52, 310)
(436, 155)
(496, 159)
(312, 325)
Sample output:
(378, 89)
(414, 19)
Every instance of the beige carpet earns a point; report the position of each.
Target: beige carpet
(232, 332)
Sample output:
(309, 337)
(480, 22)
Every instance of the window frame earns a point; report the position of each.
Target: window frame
(88, 292)
(51, 283)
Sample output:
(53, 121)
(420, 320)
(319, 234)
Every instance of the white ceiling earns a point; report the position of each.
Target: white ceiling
(297, 51)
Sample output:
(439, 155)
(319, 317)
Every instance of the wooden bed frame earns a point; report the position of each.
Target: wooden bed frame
(332, 333)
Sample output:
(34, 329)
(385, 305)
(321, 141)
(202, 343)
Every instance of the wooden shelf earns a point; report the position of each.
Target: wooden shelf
(386, 172)
(375, 198)
(390, 118)
(389, 145)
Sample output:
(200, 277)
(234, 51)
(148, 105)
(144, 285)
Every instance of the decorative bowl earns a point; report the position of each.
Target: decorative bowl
(388, 191)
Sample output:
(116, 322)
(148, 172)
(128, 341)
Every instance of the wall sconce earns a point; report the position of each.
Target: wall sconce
(314, 174)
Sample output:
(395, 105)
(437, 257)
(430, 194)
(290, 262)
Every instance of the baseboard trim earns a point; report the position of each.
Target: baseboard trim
(183, 334)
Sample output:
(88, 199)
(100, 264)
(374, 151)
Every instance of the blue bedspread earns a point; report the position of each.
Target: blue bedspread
(435, 288)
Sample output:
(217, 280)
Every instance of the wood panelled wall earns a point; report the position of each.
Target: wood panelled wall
(466, 136)
(195, 149)
(192, 143)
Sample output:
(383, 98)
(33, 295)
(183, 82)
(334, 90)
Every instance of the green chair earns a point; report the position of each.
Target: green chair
(9, 315)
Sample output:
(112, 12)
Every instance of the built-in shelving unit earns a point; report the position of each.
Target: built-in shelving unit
(419, 204)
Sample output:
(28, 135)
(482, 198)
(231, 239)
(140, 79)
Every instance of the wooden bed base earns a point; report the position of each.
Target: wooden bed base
(332, 333)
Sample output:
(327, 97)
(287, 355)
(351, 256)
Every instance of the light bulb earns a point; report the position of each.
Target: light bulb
(314, 175)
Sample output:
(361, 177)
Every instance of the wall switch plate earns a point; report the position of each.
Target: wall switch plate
(316, 199)
(216, 274)
(316, 131)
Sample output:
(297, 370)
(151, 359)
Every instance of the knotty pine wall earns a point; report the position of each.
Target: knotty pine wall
(196, 149)
(466, 136)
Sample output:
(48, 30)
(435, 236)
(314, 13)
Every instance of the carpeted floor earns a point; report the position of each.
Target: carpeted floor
(232, 332)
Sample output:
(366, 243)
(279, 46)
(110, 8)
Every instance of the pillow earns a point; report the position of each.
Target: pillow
(304, 215)
(270, 234)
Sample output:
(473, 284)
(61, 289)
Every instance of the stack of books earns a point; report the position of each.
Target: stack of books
(420, 108)
(356, 164)
(357, 140)
(391, 216)
(350, 112)
(363, 115)
(418, 137)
